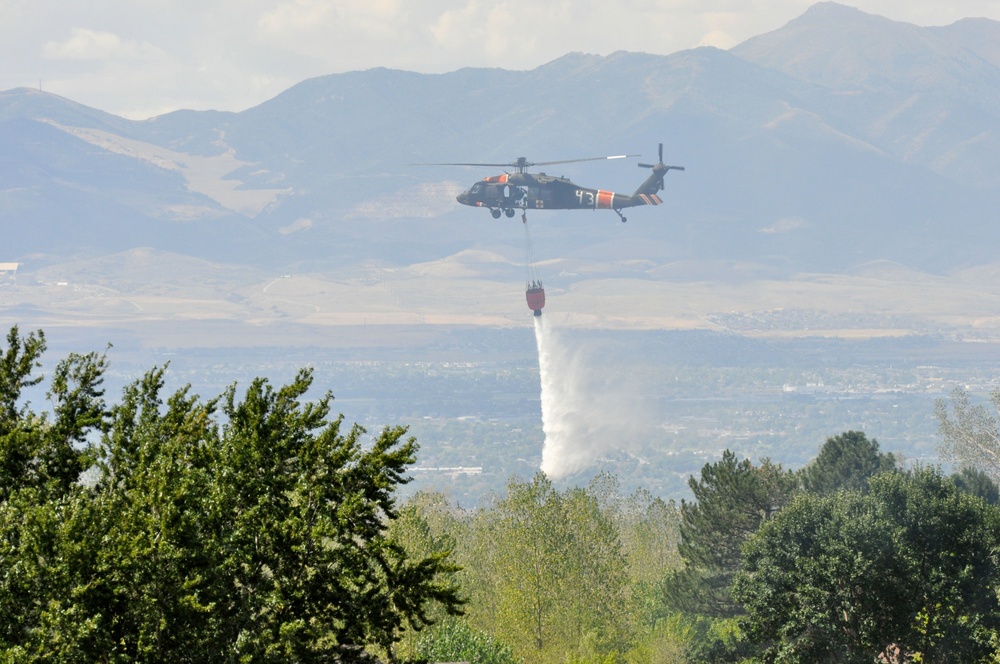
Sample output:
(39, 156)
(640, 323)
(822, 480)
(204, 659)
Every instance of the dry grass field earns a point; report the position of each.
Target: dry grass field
(165, 300)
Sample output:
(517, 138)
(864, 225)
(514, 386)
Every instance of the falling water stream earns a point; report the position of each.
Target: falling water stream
(588, 408)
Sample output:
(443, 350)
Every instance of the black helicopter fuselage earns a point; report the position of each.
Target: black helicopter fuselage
(521, 190)
(538, 191)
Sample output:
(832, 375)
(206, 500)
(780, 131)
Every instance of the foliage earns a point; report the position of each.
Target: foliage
(578, 569)
(683, 637)
(880, 556)
(845, 462)
(454, 641)
(427, 525)
(249, 529)
(733, 499)
(37, 451)
(17, 364)
(547, 570)
(907, 571)
(977, 483)
(970, 434)
(255, 527)
(649, 530)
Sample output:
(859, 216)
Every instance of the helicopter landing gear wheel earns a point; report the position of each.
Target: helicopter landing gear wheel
(621, 216)
(495, 212)
(509, 212)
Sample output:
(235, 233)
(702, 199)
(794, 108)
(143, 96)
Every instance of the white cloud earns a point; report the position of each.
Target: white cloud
(785, 225)
(160, 55)
(718, 39)
(301, 224)
(295, 16)
(85, 44)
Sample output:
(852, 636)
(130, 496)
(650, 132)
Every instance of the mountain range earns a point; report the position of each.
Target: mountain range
(839, 141)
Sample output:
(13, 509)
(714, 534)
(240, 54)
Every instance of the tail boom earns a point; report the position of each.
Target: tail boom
(647, 193)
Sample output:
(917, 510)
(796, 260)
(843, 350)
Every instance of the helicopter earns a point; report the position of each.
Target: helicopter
(503, 194)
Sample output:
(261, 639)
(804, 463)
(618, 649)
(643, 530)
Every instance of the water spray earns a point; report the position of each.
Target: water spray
(588, 409)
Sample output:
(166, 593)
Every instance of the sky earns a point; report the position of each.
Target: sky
(141, 58)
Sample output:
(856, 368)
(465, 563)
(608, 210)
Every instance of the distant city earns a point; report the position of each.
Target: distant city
(688, 396)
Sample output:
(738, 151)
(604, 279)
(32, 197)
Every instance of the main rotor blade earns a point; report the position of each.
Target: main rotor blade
(572, 161)
(454, 163)
(522, 163)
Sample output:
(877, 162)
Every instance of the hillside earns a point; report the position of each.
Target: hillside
(840, 140)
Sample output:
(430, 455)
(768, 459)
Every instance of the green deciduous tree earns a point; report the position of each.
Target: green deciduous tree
(46, 451)
(580, 566)
(454, 641)
(546, 572)
(907, 571)
(232, 530)
(17, 366)
(304, 547)
(969, 433)
(428, 526)
(43, 514)
(649, 529)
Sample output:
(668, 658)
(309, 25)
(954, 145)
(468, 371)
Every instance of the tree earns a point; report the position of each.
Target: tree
(35, 450)
(453, 640)
(977, 483)
(950, 541)
(427, 525)
(733, 499)
(306, 558)
(546, 572)
(649, 529)
(42, 513)
(845, 462)
(905, 572)
(522, 542)
(580, 566)
(149, 564)
(969, 433)
(17, 364)
(597, 580)
(815, 578)
(258, 536)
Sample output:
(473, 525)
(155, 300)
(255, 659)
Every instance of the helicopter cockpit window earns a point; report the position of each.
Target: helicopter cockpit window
(476, 188)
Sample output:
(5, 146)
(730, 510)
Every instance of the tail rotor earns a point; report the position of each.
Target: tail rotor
(655, 165)
(660, 168)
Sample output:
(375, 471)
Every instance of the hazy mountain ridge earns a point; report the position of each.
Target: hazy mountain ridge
(919, 94)
(979, 35)
(843, 48)
(839, 139)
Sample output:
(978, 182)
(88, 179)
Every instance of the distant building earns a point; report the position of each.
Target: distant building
(7, 272)
(453, 471)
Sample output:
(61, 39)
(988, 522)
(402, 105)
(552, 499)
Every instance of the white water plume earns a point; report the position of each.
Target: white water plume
(588, 408)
